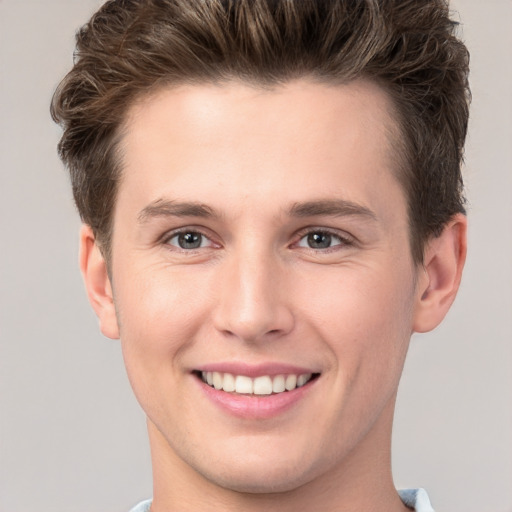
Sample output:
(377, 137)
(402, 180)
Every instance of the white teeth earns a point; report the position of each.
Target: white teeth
(229, 383)
(217, 380)
(291, 382)
(243, 384)
(263, 385)
(302, 379)
(278, 384)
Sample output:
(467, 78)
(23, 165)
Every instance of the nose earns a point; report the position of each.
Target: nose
(254, 300)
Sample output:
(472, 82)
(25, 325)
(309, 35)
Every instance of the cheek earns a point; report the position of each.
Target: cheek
(156, 302)
(160, 314)
(365, 316)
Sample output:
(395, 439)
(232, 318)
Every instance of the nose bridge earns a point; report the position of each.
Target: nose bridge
(253, 303)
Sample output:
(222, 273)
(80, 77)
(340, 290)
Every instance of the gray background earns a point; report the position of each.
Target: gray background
(72, 438)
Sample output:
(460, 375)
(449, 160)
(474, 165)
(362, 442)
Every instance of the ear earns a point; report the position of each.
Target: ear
(442, 271)
(97, 283)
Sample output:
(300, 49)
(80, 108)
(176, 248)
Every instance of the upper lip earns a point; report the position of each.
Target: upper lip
(255, 370)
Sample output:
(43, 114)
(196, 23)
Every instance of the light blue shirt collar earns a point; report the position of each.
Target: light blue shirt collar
(417, 499)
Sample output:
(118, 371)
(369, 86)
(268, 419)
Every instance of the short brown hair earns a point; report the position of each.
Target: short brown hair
(408, 47)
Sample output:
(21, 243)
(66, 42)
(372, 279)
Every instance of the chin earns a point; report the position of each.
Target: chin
(259, 481)
(260, 475)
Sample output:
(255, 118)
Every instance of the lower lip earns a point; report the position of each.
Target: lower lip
(256, 406)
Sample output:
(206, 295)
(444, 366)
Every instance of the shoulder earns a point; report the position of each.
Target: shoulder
(417, 499)
(143, 506)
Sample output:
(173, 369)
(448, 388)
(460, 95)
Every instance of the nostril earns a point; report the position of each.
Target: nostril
(252, 319)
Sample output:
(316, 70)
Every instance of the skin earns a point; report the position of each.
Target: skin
(256, 292)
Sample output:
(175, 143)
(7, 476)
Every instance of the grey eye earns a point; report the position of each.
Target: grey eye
(319, 240)
(188, 240)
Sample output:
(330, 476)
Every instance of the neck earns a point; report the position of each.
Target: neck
(362, 481)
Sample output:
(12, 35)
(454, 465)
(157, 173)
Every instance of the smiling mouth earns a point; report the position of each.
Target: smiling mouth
(259, 386)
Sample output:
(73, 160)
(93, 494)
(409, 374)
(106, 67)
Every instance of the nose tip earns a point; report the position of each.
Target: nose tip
(254, 305)
(250, 332)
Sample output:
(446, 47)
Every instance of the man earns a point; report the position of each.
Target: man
(272, 205)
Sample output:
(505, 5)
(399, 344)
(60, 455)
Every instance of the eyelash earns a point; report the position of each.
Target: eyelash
(344, 240)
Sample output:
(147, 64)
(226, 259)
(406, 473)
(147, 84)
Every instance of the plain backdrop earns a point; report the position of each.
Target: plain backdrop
(72, 437)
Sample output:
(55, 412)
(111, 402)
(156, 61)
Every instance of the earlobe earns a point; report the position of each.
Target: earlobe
(97, 283)
(442, 271)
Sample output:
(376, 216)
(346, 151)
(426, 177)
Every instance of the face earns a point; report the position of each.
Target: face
(262, 277)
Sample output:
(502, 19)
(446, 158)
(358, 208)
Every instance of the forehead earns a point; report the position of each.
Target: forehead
(302, 138)
(298, 106)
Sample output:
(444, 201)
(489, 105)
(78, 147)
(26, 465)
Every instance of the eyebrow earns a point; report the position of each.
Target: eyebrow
(331, 207)
(164, 208)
